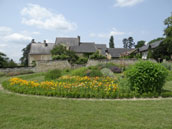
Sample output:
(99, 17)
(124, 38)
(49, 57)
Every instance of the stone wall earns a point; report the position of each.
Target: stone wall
(17, 70)
(39, 57)
(116, 61)
(43, 66)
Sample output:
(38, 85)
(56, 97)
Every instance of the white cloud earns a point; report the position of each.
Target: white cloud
(4, 30)
(113, 32)
(11, 43)
(35, 15)
(126, 3)
(17, 37)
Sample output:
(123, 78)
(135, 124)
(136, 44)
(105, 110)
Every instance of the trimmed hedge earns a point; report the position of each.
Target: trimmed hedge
(146, 76)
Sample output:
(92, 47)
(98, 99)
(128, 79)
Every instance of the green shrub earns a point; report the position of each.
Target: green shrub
(60, 57)
(53, 74)
(79, 72)
(169, 77)
(167, 65)
(107, 72)
(94, 73)
(2, 74)
(82, 60)
(97, 56)
(146, 76)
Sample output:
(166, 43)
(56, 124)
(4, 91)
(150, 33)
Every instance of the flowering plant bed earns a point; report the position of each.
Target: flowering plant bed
(67, 86)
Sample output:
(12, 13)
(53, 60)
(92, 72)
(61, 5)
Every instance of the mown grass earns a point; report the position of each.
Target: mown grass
(28, 112)
(24, 112)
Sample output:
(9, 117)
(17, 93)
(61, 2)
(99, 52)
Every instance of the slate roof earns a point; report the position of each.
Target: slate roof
(152, 45)
(84, 47)
(155, 44)
(67, 41)
(41, 48)
(143, 48)
(102, 47)
(116, 52)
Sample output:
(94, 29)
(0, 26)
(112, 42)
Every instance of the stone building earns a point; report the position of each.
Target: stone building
(42, 51)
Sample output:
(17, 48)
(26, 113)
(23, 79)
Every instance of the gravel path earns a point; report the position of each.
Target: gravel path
(85, 99)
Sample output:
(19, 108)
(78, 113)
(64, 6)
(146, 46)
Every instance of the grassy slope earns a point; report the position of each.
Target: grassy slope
(22, 112)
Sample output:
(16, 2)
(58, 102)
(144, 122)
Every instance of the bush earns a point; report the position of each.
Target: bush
(167, 65)
(94, 73)
(146, 76)
(79, 72)
(2, 74)
(60, 57)
(97, 56)
(53, 74)
(82, 60)
(115, 69)
(107, 72)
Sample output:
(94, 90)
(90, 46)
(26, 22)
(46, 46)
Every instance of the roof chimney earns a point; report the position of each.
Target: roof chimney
(45, 42)
(33, 41)
(79, 38)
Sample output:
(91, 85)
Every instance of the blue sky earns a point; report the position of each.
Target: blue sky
(93, 20)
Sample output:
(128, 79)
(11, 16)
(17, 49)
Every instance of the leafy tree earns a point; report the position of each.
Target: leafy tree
(25, 59)
(128, 43)
(111, 42)
(11, 63)
(125, 43)
(164, 51)
(168, 30)
(60, 52)
(3, 60)
(140, 44)
(131, 42)
(154, 40)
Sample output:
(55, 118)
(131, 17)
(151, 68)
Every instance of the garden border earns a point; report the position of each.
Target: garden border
(86, 99)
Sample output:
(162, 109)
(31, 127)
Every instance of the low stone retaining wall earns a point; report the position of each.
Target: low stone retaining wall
(116, 61)
(17, 70)
(43, 66)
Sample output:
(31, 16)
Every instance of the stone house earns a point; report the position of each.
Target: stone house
(145, 49)
(42, 51)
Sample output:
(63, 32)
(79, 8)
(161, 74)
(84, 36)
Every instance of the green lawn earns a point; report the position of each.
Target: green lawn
(31, 112)
(26, 112)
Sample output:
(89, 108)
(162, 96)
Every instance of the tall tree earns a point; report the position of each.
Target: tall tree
(154, 40)
(3, 60)
(131, 42)
(140, 44)
(111, 42)
(25, 59)
(125, 43)
(164, 51)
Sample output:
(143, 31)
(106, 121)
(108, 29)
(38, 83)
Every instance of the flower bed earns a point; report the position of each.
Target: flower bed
(67, 86)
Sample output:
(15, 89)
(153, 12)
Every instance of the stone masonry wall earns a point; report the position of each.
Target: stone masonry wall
(43, 66)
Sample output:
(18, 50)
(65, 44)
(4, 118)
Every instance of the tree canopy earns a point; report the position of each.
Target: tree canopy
(25, 59)
(111, 42)
(140, 44)
(154, 40)
(164, 51)
(128, 43)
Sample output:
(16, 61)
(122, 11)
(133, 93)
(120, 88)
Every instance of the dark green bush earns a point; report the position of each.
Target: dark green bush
(146, 76)
(94, 73)
(79, 72)
(107, 72)
(53, 74)
(167, 65)
(82, 60)
(97, 56)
